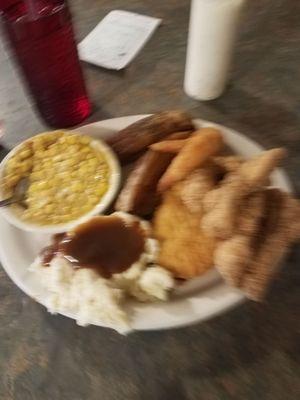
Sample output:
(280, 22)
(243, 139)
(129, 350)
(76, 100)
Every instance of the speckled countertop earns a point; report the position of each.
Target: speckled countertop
(251, 352)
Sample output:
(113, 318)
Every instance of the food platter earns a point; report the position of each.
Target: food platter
(197, 300)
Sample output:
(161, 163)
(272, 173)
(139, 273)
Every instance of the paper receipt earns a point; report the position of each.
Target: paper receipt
(117, 39)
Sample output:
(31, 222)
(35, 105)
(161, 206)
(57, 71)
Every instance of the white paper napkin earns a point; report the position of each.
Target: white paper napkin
(117, 39)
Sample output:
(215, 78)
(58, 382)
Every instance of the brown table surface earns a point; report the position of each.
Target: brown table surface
(251, 352)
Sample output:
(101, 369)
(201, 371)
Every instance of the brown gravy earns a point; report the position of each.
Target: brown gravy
(105, 244)
(49, 252)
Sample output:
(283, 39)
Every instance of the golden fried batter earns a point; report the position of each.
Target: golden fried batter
(201, 181)
(184, 248)
(199, 148)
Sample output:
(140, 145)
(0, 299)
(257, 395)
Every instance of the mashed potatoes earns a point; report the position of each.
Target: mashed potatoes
(93, 299)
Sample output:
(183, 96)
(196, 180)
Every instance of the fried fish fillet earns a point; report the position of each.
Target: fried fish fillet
(193, 188)
(233, 256)
(268, 224)
(228, 163)
(220, 221)
(257, 170)
(184, 249)
(278, 232)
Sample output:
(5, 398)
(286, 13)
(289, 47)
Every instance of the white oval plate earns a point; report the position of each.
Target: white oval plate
(195, 301)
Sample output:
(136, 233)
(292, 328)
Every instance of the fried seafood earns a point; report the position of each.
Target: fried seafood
(232, 256)
(198, 184)
(214, 209)
(184, 249)
(169, 146)
(199, 148)
(222, 204)
(252, 209)
(173, 143)
(267, 227)
(280, 229)
(257, 170)
(228, 163)
(179, 135)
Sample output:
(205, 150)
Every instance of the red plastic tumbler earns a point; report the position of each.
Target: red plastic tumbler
(43, 42)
